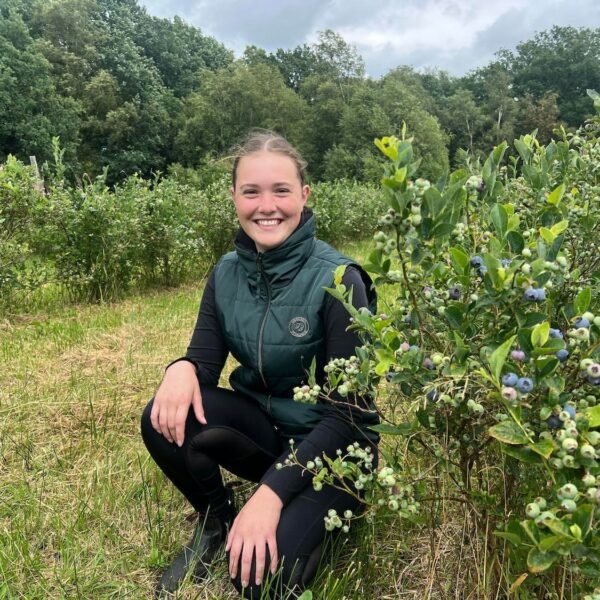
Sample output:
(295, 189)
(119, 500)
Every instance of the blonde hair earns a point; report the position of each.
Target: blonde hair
(269, 141)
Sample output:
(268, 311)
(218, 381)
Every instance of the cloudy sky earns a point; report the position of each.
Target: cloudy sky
(455, 35)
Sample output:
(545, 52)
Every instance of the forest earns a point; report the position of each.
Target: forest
(132, 93)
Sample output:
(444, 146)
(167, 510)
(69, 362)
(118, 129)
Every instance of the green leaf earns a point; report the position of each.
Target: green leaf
(555, 196)
(538, 561)
(543, 448)
(593, 415)
(540, 334)
(511, 537)
(499, 218)
(583, 517)
(306, 595)
(338, 274)
(559, 227)
(524, 455)
(508, 432)
(582, 300)
(389, 429)
(548, 543)
(460, 261)
(547, 235)
(498, 357)
(516, 241)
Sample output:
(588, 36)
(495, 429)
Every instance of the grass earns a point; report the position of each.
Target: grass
(85, 513)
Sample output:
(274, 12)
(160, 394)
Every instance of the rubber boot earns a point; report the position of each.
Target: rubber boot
(207, 540)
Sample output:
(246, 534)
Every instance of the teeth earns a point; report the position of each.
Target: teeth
(268, 222)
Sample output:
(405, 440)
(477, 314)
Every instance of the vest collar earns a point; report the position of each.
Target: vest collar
(281, 264)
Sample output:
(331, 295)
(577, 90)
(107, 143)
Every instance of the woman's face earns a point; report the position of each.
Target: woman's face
(268, 197)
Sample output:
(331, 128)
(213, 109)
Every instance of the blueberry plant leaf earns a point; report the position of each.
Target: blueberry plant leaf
(593, 415)
(582, 300)
(538, 561)
(508, 432)
(498, 357)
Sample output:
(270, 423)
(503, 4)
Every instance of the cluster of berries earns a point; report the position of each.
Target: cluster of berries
(333, 520)
(307, 394)
(347, 368)
(514, 387)
(399, 497)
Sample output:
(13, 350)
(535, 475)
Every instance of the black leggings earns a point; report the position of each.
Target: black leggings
(240, 438)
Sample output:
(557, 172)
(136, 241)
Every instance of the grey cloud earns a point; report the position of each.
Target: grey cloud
(273, 24)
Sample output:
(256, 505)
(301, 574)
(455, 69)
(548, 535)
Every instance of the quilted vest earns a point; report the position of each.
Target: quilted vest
(270, 308)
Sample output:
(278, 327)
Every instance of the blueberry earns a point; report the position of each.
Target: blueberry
(454, 293)
(407, 319)
(525, 384)
(389, 376)
(541, 295)
(570, 410)
(554, 422)
(593, 380)
(582, 322)
(481, 271)
(415, 348)
(556, 333)
(506, 262)
(518, 355)
(476, 262)
(432, 395)
(534, 294)
(562, 355)
(510, 379)
(428, 364)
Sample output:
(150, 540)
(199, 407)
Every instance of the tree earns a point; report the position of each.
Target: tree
(232, 101)
(542, 114)
(564, 60)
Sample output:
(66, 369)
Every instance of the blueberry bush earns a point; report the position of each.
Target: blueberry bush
(485, 358)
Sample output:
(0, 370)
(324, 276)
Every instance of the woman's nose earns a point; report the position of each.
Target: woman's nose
(267, 203)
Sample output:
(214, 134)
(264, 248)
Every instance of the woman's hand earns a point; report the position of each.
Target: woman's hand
(254, 530)
(179, 389)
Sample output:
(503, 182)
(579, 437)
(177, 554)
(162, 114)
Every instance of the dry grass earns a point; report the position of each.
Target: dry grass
(84, 513)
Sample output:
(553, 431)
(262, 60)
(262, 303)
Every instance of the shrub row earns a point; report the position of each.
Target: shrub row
(96, 242)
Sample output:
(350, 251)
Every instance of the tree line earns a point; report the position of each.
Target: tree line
(128, 93)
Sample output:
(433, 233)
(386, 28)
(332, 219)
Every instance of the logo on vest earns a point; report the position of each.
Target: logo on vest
(299, 327)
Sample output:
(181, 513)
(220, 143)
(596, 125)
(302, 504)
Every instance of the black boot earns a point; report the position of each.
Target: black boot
(207, 540)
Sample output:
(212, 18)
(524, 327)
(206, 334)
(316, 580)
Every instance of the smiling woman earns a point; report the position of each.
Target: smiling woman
(265, 303)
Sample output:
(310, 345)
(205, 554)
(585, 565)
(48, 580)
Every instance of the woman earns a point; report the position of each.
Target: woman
(266, 304)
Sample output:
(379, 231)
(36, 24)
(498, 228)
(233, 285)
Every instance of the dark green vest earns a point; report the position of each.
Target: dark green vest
(270, 309)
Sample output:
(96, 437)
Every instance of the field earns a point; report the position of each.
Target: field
(84, 513)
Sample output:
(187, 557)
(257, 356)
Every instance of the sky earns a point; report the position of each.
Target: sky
(454, 35)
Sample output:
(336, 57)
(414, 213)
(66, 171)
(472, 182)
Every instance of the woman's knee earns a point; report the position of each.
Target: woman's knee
(147, 430)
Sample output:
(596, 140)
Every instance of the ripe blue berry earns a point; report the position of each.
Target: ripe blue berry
(554, 422)
(525, 385)
(570, 410)
(562, 355)
(506, 262)
(482, 270)
(582, 322)
(510, 379)
(432, 396)
(476, 262)
(428, 364)
(556, 333)
(534, 294)
(454, 293)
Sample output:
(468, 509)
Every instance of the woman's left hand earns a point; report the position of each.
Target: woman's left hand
(253, 531)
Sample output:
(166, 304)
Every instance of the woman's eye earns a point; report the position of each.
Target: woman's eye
(282, 190)
(250, 192)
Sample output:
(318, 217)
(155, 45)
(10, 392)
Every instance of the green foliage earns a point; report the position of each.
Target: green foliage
(345, 210)
(489, 348)
(20, 205)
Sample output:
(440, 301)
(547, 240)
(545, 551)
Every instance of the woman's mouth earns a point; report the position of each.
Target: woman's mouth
(268, 222)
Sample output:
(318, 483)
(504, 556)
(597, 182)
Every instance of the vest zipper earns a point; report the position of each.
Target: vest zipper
(263, 276)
